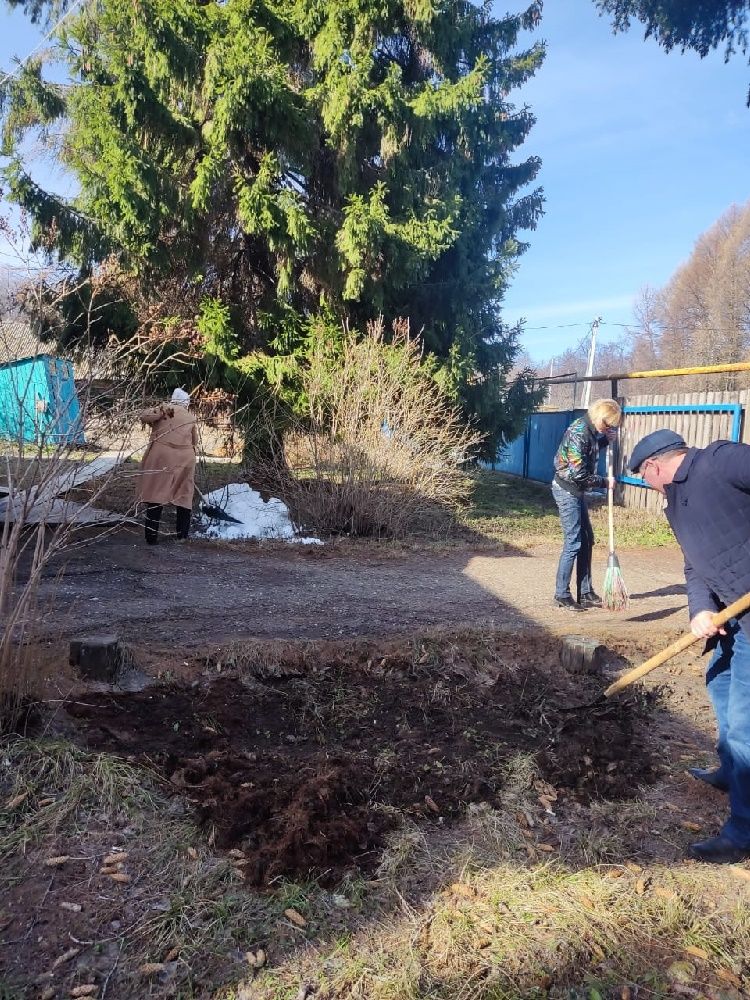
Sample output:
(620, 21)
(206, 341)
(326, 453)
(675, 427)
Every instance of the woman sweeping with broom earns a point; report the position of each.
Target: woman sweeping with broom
(168, 467)
(575, 473)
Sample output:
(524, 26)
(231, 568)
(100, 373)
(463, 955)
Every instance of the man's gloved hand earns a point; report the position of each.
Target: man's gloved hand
(702, 625)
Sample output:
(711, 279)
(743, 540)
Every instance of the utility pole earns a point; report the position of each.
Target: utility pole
(586, 398)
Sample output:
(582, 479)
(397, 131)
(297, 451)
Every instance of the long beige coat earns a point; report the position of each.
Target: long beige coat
(168, 466)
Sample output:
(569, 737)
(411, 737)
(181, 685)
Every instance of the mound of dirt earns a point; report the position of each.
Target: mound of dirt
(287, 821)
(304, 771)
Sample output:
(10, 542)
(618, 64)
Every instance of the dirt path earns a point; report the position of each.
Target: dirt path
(210, 592)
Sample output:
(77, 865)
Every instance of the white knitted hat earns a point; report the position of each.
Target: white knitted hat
(180, 397)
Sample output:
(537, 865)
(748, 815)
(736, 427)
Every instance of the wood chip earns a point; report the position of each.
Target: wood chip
(665, 893)
(693, 827)
(729, 977)
(431, 803)
(462, 889)
(16, 801)
(116, 858)
(696, 952)
(57, 861)
(119, 877)
(65, 957)
(87, 990)
(71, 907)
(151, 968)
(256, 959)
(172, 954)
(547, 848)
(45, 802)
(295, 917)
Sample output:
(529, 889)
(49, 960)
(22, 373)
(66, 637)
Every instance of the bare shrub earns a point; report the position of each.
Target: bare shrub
(379, 450)
(50, 442)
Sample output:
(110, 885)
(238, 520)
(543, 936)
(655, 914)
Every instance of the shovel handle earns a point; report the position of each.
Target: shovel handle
(720, 618)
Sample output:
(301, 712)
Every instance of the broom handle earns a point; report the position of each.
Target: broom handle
(611, 502)
(719, 619)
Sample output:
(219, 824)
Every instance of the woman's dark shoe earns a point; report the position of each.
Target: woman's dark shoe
(590, 600)
(718, 851)
(713, 778)
(568, 604)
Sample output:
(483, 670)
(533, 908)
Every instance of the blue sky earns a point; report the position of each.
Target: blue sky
(642, 151)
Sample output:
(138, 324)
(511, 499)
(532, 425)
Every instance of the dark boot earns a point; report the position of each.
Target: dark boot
(719, 851)
(590, 600)
(153, 517)
(714, 777)
(182, 519)
(568, 604)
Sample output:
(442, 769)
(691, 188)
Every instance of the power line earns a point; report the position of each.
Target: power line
(50, 33)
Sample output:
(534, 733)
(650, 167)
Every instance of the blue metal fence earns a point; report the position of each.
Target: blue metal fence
(735, 409)
(531, 455)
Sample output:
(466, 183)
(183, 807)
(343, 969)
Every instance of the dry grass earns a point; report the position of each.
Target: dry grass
(59, 800)
(517, 512)
(477, 911)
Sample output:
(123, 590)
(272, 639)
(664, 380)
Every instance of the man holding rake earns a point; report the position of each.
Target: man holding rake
(708, 509)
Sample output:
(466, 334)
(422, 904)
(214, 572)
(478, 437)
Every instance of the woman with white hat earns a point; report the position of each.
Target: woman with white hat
(168, 466)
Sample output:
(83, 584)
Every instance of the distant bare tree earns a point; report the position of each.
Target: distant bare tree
(702, 315)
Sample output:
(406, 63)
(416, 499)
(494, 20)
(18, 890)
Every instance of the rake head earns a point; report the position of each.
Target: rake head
(615, 596)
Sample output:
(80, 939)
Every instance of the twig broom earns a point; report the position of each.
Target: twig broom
(615, 596)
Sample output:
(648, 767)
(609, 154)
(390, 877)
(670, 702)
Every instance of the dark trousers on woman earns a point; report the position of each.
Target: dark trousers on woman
(578, 544)
(153, 517)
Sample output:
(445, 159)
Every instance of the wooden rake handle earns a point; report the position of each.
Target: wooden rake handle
(610, 502)
(721, 618)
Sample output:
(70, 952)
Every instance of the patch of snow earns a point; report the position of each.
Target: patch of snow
(258, 518)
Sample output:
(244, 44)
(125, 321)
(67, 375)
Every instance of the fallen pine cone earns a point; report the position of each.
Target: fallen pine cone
(116, 858)
(295, 917)
(16, 801)
(65, 957)
(151, 968)
(55, 862)
(87, 990)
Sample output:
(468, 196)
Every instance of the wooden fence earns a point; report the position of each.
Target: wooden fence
(698, 428)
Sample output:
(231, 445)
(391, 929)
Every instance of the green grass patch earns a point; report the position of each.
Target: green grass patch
(515, 511)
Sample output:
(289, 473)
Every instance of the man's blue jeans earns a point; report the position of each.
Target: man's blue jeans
(578, 543)
(728, 684)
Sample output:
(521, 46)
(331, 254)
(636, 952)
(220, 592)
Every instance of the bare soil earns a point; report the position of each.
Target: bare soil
(189, 595)
(305, 772)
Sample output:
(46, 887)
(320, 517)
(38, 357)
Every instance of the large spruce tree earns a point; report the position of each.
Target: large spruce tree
(279, 159)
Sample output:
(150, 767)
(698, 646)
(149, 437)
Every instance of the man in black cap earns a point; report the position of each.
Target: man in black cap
(708, 508)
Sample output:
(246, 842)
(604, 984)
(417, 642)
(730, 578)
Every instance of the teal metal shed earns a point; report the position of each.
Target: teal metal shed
(38, 401)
